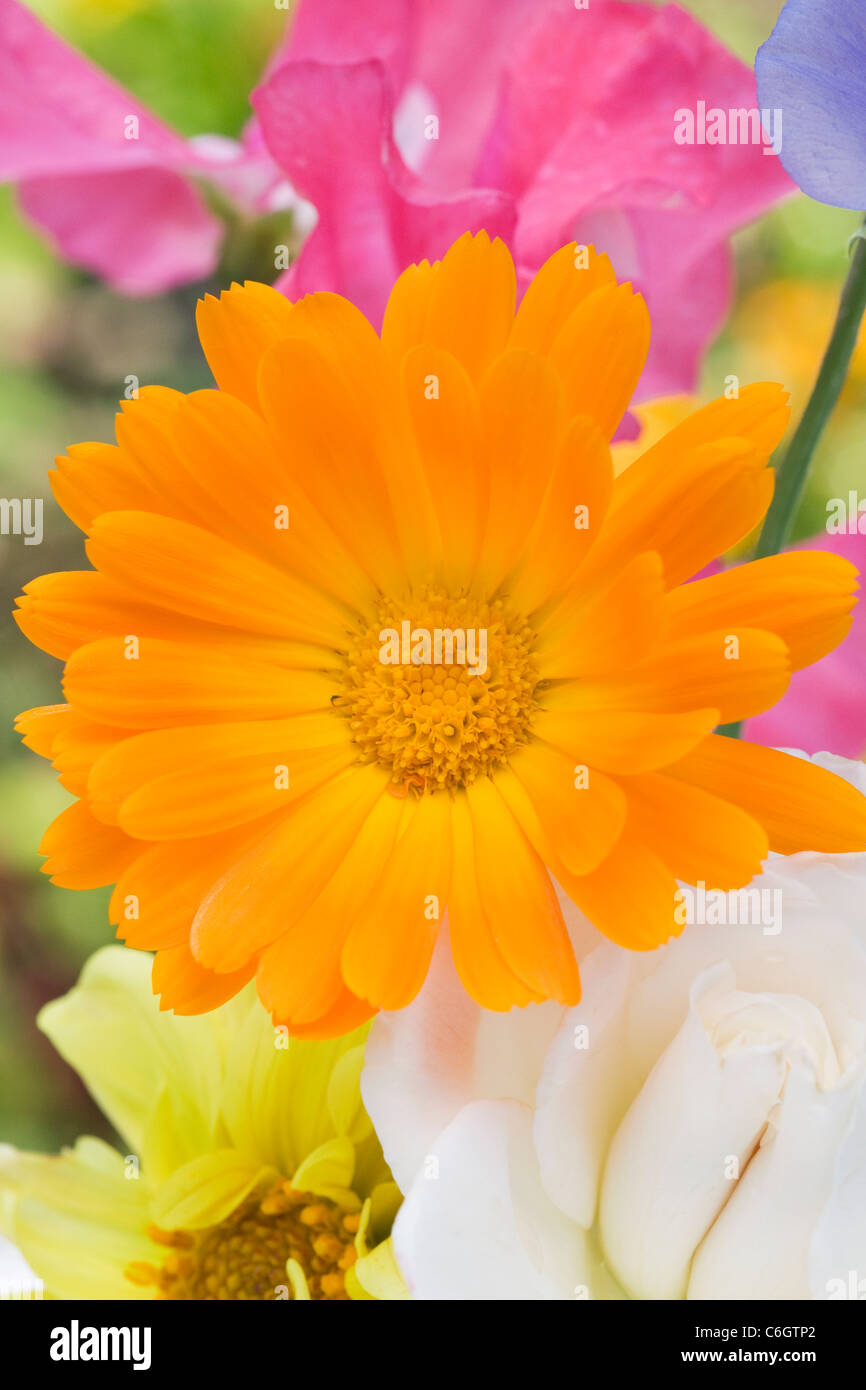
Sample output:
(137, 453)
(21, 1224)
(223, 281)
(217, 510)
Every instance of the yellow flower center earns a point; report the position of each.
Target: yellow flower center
(244, 1257)
(442, 693)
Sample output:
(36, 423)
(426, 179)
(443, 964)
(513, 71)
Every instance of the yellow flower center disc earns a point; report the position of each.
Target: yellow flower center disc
(244, 1257)
(440, 690)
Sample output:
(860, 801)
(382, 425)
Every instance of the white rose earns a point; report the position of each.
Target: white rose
(695, 1128)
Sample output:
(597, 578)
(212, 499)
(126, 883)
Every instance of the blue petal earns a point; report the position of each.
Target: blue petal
(813, 69)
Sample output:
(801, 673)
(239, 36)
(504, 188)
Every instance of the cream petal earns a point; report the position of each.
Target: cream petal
(476, 1223)
(426, 1062)
(586, 1086)
(818, 954)
(277, 1100)
(77, 1220)
(378, 1275)
(837, 1256)
(110, 1029)
(328, 1171)
(759, 1247)
(207, 1190)
(665, 1178)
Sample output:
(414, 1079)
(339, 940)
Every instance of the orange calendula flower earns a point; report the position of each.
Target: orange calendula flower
(373, 632)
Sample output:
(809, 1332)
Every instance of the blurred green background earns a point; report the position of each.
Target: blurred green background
(66, 344)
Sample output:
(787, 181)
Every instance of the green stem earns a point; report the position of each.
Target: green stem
(794, 469)
(791, 476)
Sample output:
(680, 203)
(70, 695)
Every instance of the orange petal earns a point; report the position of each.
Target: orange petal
(477, 958)
(600, 353)
(571, 816)
(156, 898)
(805, 597)
(187, 570)
(60, 612)
(344, 1016)
(236, 330)
(705, 502)
(759, 414)
(612, 633)
(330, 439)
(632, 897)
(188, 753)
(464, 304)
(570, 519)
(95, 478)
(521, 425)
(230, 792)
(387, 952)
(697, 836)
(801, 806)
(167, 683)
(565, 280)
(188, 989)
(519, 899)
(78, 745)
(39, 727)
(334, 328)
(299, 977)
(624, 741)
(737, 672)
(71, 742)
(82, 852)
(446, 429)
(268, 889)
(145, 433)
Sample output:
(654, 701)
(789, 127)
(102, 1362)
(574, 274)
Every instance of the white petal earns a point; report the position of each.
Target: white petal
(759, 1247)
(665, 1178)
(17, 1279)
(426, 1062)
(477, 1224)
(838, 1249)
(586, 1086)
(819, 954)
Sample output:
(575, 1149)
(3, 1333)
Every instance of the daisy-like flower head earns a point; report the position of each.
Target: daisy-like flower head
(283, 773)
(252, 1171)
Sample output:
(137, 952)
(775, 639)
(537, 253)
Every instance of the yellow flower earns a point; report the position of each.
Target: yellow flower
(251, 1169)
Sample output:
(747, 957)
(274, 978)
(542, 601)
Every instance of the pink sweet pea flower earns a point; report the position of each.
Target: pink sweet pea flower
(825, 706)
(543, 121)
(375, 216)
(109, 183)
(407, 122)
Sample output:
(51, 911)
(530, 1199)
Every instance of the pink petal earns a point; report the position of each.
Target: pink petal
(449, 52)
(143, 230)
(596, 158)
(825, 707)
(76, 116)
(116, 205)
(329, 129)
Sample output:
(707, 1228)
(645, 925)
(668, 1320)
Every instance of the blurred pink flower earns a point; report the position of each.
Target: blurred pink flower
(825, 707)
(407, 122)
(549, 122)
(109, 183)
